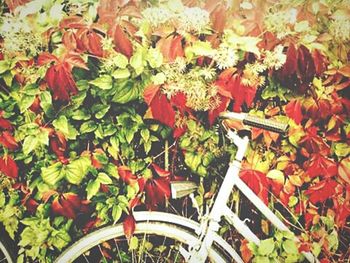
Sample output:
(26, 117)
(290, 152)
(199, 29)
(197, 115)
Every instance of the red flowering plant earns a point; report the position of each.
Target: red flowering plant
(103, 103)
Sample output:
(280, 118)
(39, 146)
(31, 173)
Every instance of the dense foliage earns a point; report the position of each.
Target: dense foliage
(103, 103)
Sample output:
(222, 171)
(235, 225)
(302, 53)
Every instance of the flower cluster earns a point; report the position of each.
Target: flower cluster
(20, 38)
(279, 22)
(192, 20)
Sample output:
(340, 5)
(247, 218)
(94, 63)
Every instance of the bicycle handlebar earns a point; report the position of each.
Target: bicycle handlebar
(255, 121)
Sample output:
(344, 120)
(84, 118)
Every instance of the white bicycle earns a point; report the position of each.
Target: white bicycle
(183, 239)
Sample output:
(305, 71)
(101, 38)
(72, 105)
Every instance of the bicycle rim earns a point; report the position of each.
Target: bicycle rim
(5, 253)
(109, 244)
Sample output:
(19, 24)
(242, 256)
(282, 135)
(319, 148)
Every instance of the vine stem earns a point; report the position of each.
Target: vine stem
(166, 155)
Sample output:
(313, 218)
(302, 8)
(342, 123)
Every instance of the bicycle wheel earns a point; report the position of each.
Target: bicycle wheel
(159, 241)
(6, 253)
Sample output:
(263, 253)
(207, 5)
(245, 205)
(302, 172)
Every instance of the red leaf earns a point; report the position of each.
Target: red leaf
(314, 143)
(344, 170)
(69, 40)
(61, 82)
(162, 110)
(92, 223)
(245, 251)
(8, 141)
(150, 92)
(160, 171)
(66, 210)
(122, 42)
(31, 205)
(320, 165)
(290, 66)
(5, 124)
(45, 58)
(13, 4)
(95, 44)
(74, 60)
(157, 190)
(58, 144)
(8, 167)
(213, 113)
(179, 101)
(218, 18)
(129, 225)
(179, 131)
(35, 107)
(171, 47)
(293, 111)
(268, 136)
(343, 212)
(72, 22)
(126, 175)
(258, 182)
(320, 61)
(321, 191)
(68, 205)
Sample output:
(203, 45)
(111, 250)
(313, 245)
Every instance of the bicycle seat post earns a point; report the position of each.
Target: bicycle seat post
(220, 205)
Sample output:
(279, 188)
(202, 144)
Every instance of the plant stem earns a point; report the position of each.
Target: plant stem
(166, 155)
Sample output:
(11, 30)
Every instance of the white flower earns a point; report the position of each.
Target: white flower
(276, 58)
(19, 36)
(157, 16)
(340, 29)
(225, 57)
(193, 20)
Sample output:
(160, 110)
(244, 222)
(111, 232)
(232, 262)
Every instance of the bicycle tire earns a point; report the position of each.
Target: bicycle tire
(169, 225)
(6, 250)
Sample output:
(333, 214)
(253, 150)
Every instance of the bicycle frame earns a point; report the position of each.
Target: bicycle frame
(199, 252)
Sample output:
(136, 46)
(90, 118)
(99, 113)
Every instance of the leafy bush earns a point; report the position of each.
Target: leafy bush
(103, 103)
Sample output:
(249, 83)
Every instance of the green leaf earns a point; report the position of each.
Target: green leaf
(129, 135)
(92, 189)
(30, 90)
(53, 174)
(341, 149)
(290, 247)
(261, 259)
(116, 213)
(136, 61)
(333, 241)
(120, 60)
(77, 170)
(81, 115)
(102, 110)
(154, 57)
(103, 178)
(61, 124)
(145, 134)
(2, 199)
(199, 48)
(8, 78)
(25, 102)
(121, 73)
(293, 200)
(103, 82)
(159, 78)
(82, 84)
(30, 143)
(134, 243)
(88, 126)
(4, 66)
(46, 102)
(302, 26)
(266, 246)
(316, 248)
(126, 92)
